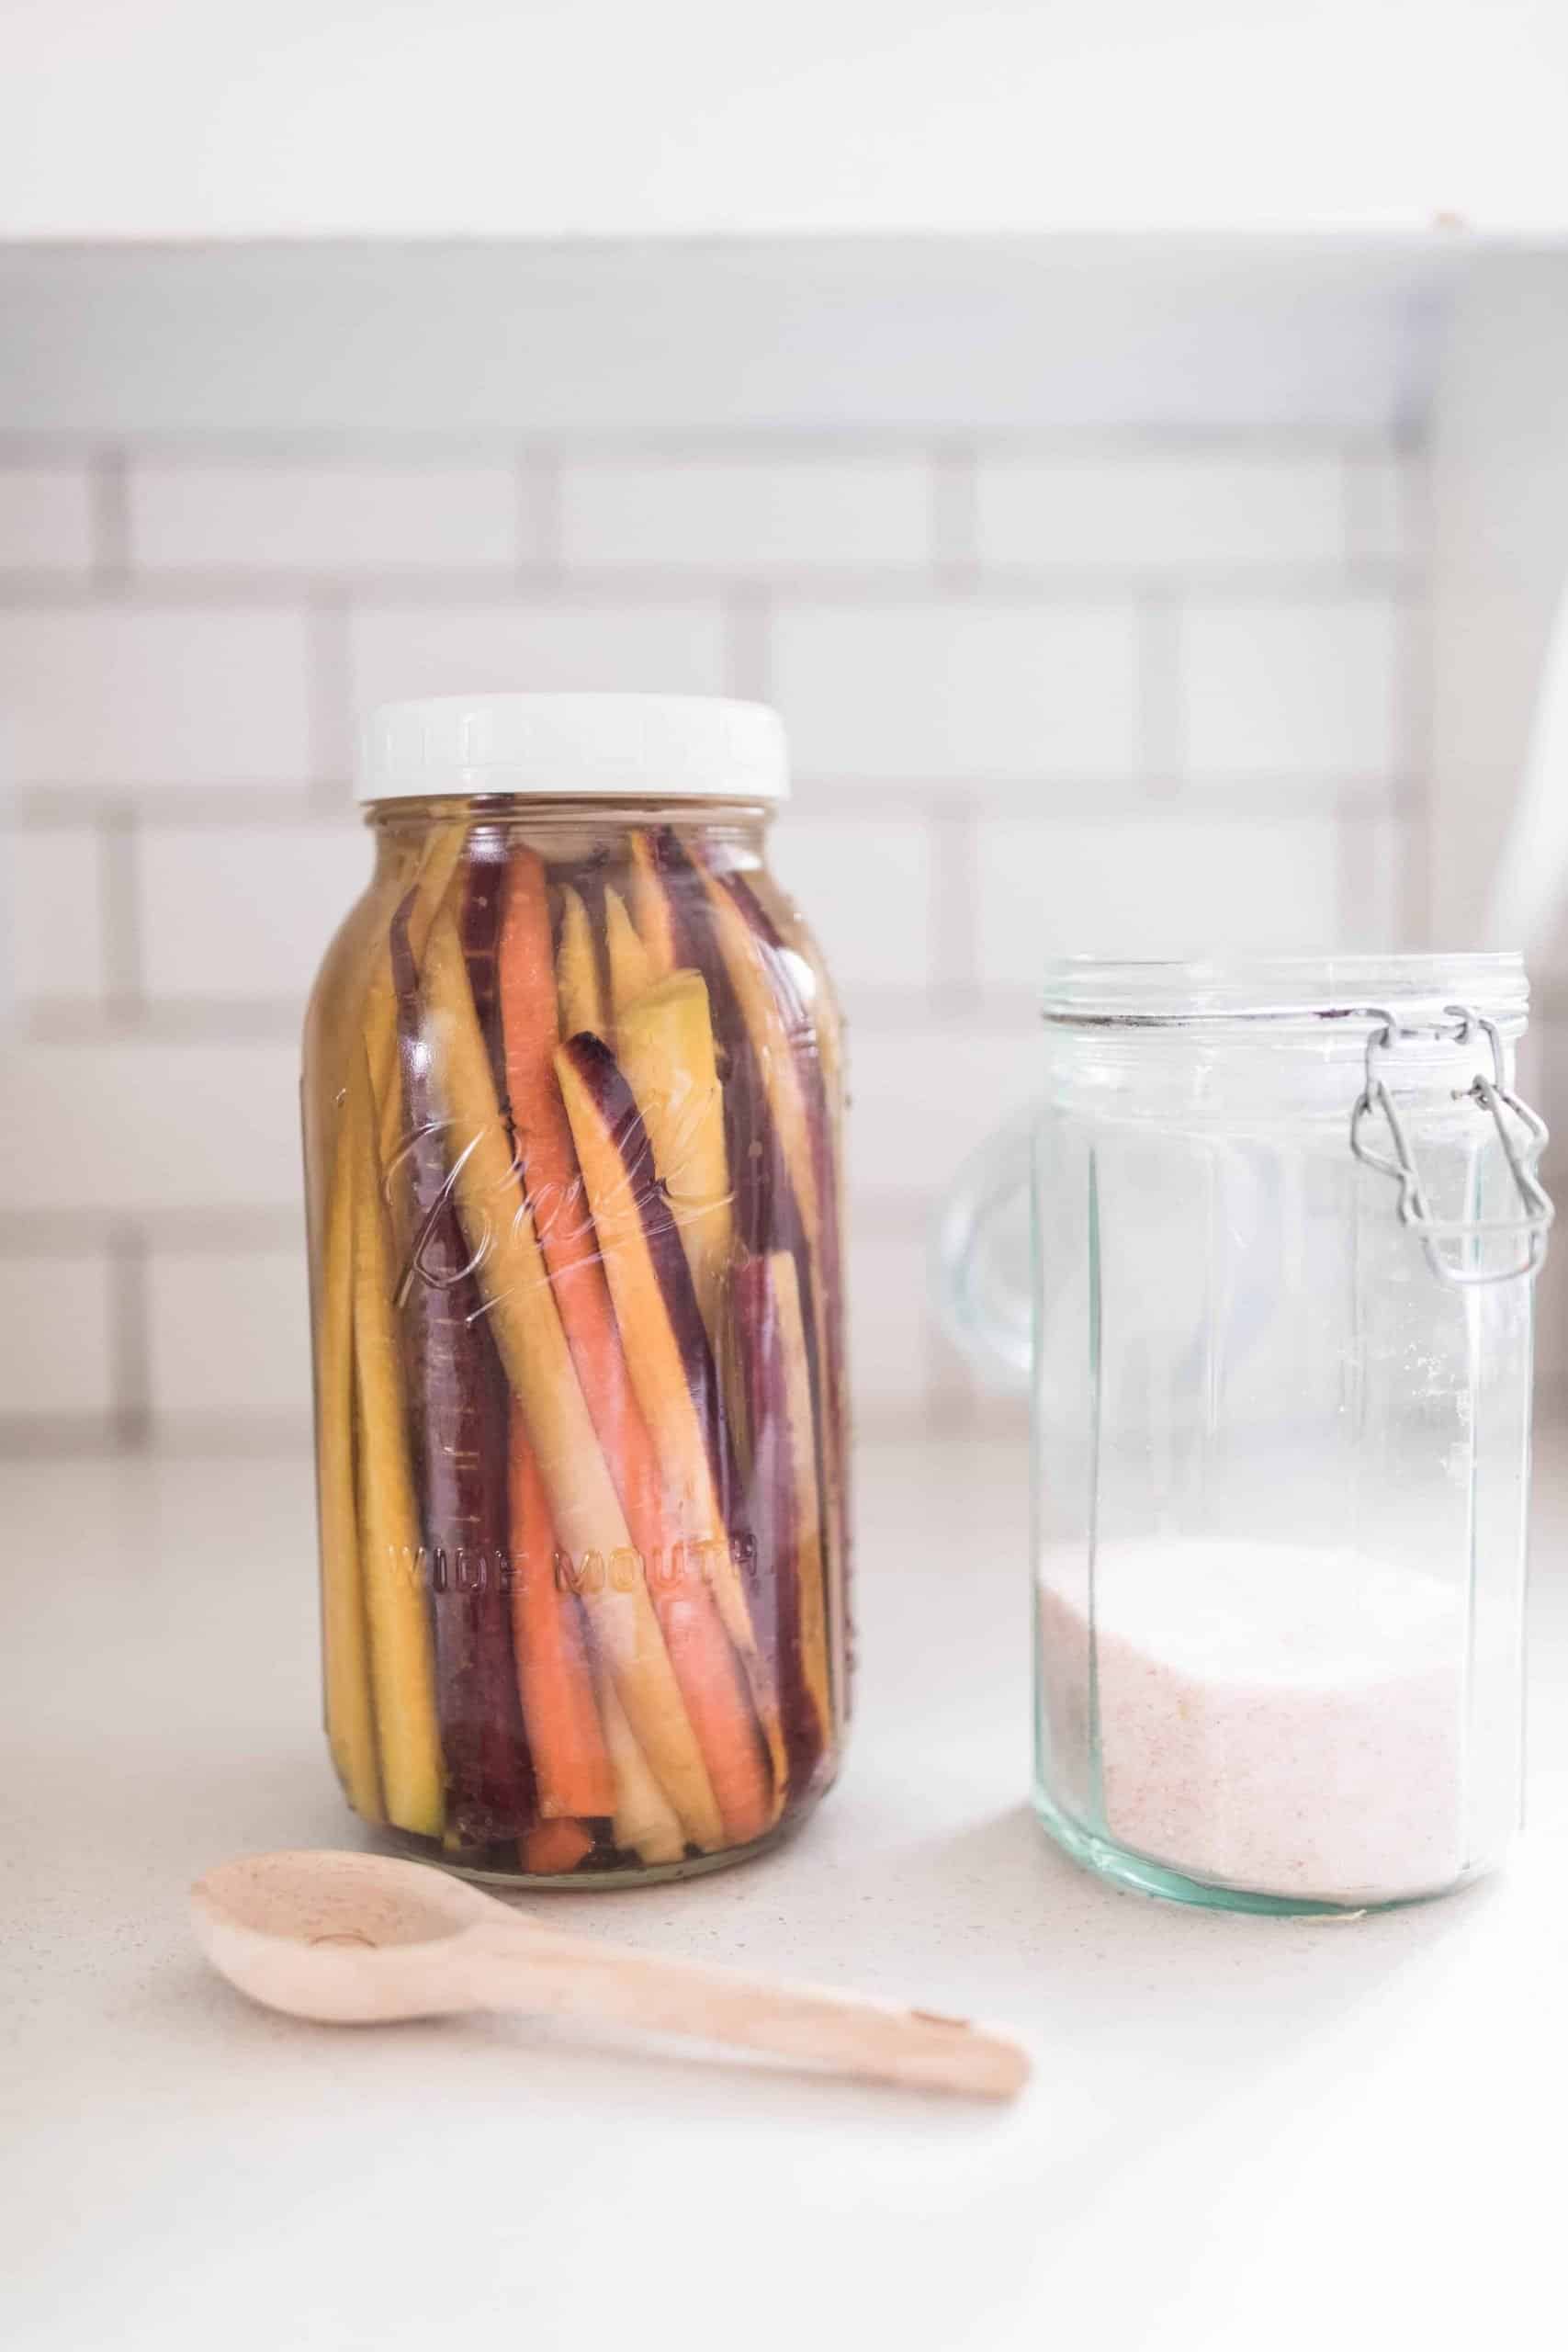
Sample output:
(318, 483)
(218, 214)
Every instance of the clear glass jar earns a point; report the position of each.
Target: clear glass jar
(571, 1107)
(1281, 1362)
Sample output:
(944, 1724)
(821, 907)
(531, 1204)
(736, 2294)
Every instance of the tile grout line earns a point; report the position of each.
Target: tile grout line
(953, 969)
(540, 516)
(422, 449)
(846, 586)
(129, 1338)
(954, 494)
(124, 958)
(748, 631)
(1162, 731)
(109, 496)
(329, 715)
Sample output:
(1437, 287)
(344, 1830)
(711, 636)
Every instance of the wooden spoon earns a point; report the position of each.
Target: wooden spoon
(357, 1939)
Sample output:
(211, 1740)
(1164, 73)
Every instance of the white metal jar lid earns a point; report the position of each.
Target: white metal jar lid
(610, 746)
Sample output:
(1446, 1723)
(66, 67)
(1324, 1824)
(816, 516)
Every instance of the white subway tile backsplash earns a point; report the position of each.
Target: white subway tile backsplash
(1308, 689)
(1176, 885)
(136, 1124)
(348, 517)
(868, 891)
(1385, 503)
(109, 698)
(229, 1336)
(1195, 561)
(52, 911)
(959, 690)
(244, 912)
(740, 515)
(1127, 511)
(560, 646)
(56, 1312)
(1383, 898)
(922, 1099)
(45, 518)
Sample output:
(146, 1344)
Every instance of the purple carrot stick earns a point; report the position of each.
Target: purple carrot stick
(460, 1442)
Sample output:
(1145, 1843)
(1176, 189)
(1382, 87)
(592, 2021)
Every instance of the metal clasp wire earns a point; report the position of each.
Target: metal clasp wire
(1491, 1095)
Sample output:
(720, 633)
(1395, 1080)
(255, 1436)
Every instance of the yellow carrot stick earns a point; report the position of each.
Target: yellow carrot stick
(577, 971)
(664, 1044)
(402, 1666)
(651, 909)
(346, 1646)
(631, 970)
(760, 1009)
(352, 1015)
(333, 1043)
(644, 1823)
(438, 868)
(589, 1521)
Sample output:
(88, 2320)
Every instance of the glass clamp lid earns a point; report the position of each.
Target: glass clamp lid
(1522, 1151)
(1405, 1001)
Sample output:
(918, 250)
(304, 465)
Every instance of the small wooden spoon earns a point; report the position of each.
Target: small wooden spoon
(357, 1939)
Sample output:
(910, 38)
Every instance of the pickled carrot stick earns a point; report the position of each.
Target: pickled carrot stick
(666, 1346)
(816, 1014)
(571, 1768)
(581, 996)
(780, 1029)
(692, 1618)
(554, 1849)
(459, 1426)
(554, 1187)
(508, 1770)
(665, 1047)
(644, 1822)
(763, 1208)
(333, 1041)
(785, 1476)
(525, 1321)
(631, 970)
(795, 1398)
(403, 1667)
(345, 1641)
(651, 909)
(438, 872)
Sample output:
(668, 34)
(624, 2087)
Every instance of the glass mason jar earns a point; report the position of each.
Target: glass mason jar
(1278, 1328)
(572, 1109)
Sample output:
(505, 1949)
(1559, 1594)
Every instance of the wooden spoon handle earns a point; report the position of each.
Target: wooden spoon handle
(575, 1976)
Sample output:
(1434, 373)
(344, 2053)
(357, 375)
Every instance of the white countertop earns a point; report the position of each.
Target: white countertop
(1240, 2130)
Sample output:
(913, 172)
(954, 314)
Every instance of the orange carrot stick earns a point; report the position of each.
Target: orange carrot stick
(555, 1679)
(554, 1847)
(706, 1669)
